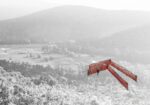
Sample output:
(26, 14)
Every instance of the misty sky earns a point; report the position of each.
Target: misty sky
(16, 8)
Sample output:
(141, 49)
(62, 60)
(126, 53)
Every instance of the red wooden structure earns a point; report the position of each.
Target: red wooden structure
(109, 65)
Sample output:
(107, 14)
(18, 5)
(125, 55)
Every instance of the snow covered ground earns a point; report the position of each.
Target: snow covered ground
(103, 89)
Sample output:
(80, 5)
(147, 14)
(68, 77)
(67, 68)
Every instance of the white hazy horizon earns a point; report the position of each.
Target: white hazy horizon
(17, 8)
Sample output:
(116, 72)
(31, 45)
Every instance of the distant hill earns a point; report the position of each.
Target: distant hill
(135, 38)
(69, 22)
(130, 45)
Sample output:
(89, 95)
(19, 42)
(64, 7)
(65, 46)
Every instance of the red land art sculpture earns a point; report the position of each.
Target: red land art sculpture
(109, 65)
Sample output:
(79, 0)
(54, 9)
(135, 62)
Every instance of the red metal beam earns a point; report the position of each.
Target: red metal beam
(121, 80)
(123, 70)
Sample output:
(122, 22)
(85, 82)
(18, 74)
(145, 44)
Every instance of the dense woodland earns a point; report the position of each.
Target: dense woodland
(25, 84)
(29, 70)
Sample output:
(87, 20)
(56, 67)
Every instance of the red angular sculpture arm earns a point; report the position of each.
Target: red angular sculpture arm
(121, 80)
(92, 69)
(97, 67)
(123, 70)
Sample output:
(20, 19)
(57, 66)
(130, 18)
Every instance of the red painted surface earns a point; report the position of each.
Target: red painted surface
(107, 65)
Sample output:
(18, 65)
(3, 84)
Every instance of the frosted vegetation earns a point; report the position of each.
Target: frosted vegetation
(45, 89)
(63, 79)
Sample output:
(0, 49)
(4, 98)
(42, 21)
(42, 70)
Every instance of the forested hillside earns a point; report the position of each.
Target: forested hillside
(69, 22)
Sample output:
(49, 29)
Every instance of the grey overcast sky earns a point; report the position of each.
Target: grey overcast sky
(16, 8)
